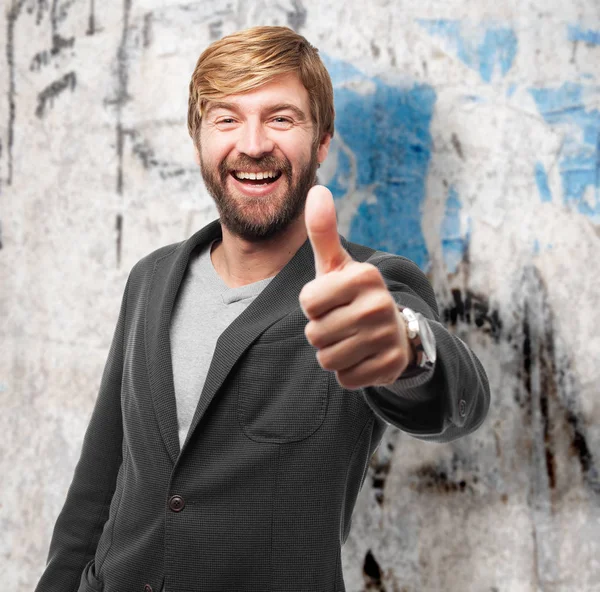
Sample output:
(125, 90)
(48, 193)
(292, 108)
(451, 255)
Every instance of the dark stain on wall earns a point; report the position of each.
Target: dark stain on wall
(372, 573)
(119, 146)
(580, 448)
(434, 478)
(42, 58)
(11, 19)
(142, 150)
(119, 228)
(548, 390)
(215, 30)
(147, 29)
(380, 472)
(53, 90)
(380, 463)
(473, 308)
(457, 146)
(547, 383)
(526, 375)
(91, 30)
(145, 153)
(60, 11)
(296, 18)
(42, 6)
(121, 95)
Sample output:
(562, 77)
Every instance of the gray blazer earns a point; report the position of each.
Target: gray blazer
(260, 497)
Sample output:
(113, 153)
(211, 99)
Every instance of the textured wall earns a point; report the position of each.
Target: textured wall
(468, 135)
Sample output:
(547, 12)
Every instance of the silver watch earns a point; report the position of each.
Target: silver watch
(420, 336)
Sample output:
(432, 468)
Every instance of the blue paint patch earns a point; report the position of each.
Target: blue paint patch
(541, 178)
(536, 247)
(576, 33)
(454, 245)
(388, 132)
(579, 159)
(485, 48)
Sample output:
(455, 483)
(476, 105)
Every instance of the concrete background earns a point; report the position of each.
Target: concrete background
(468, 136)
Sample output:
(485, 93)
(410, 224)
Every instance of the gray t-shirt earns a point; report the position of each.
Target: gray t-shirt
(204, 307)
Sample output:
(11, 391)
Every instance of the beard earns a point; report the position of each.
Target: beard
(272, 218)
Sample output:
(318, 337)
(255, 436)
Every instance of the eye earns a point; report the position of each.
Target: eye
(225, 123)
(282, 122)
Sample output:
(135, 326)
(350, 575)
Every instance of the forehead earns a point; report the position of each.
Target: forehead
(286, 88)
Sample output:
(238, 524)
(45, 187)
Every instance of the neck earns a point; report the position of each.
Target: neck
(240, 262)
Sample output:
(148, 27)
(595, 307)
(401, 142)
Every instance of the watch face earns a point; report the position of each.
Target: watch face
(427, 339)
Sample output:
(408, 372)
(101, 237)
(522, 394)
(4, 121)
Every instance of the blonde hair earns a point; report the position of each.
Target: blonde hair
(248, 59)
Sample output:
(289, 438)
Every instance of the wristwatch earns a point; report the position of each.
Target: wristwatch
(420, 336)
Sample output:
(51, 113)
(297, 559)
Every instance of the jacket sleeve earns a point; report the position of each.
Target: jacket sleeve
(81, 520)
(444, 403)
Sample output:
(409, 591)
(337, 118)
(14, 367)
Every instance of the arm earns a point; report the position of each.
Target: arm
(79, 525)
(442, 404)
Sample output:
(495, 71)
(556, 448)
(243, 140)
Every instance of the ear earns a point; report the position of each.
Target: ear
(196, 155)
(323, 149)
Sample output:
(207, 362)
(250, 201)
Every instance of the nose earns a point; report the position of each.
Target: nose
(254, 140)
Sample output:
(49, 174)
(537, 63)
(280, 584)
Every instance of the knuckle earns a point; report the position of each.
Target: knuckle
(308, 332)
(323, 360)
(367, 274)
(398, 357)
(345, 380)
(378, 306)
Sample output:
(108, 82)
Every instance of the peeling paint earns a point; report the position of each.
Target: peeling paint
(48, 95)
(578, 33)
(388, 131)
(541, 178)
(565, 109)
(454, 243)
(473, 309)
(487, 48)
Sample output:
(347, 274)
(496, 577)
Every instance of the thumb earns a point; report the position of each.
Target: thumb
(321, 227)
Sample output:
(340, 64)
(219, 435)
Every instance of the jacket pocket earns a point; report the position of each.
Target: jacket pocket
(282, 392)
(89, 582)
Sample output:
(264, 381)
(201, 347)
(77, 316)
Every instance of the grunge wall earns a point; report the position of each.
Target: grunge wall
(467, 138)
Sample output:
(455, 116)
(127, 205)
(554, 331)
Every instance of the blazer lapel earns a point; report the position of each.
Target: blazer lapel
(278, 298)
(166, 278)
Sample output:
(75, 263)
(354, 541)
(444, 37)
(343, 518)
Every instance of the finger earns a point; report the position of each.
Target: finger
(328, 292)
(346, 354)
(330, 329)
(321, 227)
(377, 370)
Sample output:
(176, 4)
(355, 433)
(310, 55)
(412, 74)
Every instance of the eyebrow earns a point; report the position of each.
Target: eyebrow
(272, 109)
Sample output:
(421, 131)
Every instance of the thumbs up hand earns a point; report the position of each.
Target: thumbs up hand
(353, 320)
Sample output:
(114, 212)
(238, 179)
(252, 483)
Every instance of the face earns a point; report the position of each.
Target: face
(258, 157)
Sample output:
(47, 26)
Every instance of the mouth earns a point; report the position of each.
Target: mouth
(257, 184)
(256, 178)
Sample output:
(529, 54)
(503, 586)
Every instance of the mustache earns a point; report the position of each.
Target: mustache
(246, 163)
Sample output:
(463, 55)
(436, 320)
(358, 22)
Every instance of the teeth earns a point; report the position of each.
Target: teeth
(256, 176)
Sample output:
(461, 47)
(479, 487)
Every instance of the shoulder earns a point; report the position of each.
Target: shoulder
(400, 273)
(387, 263)
(142, 270)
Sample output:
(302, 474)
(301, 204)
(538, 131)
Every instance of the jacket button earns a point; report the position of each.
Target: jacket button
(462, 407)
(147, 588)
(176, 503)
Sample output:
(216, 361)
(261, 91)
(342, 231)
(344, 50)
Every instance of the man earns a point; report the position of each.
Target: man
(255, 365)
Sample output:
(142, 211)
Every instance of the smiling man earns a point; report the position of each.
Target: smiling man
(256, 365)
